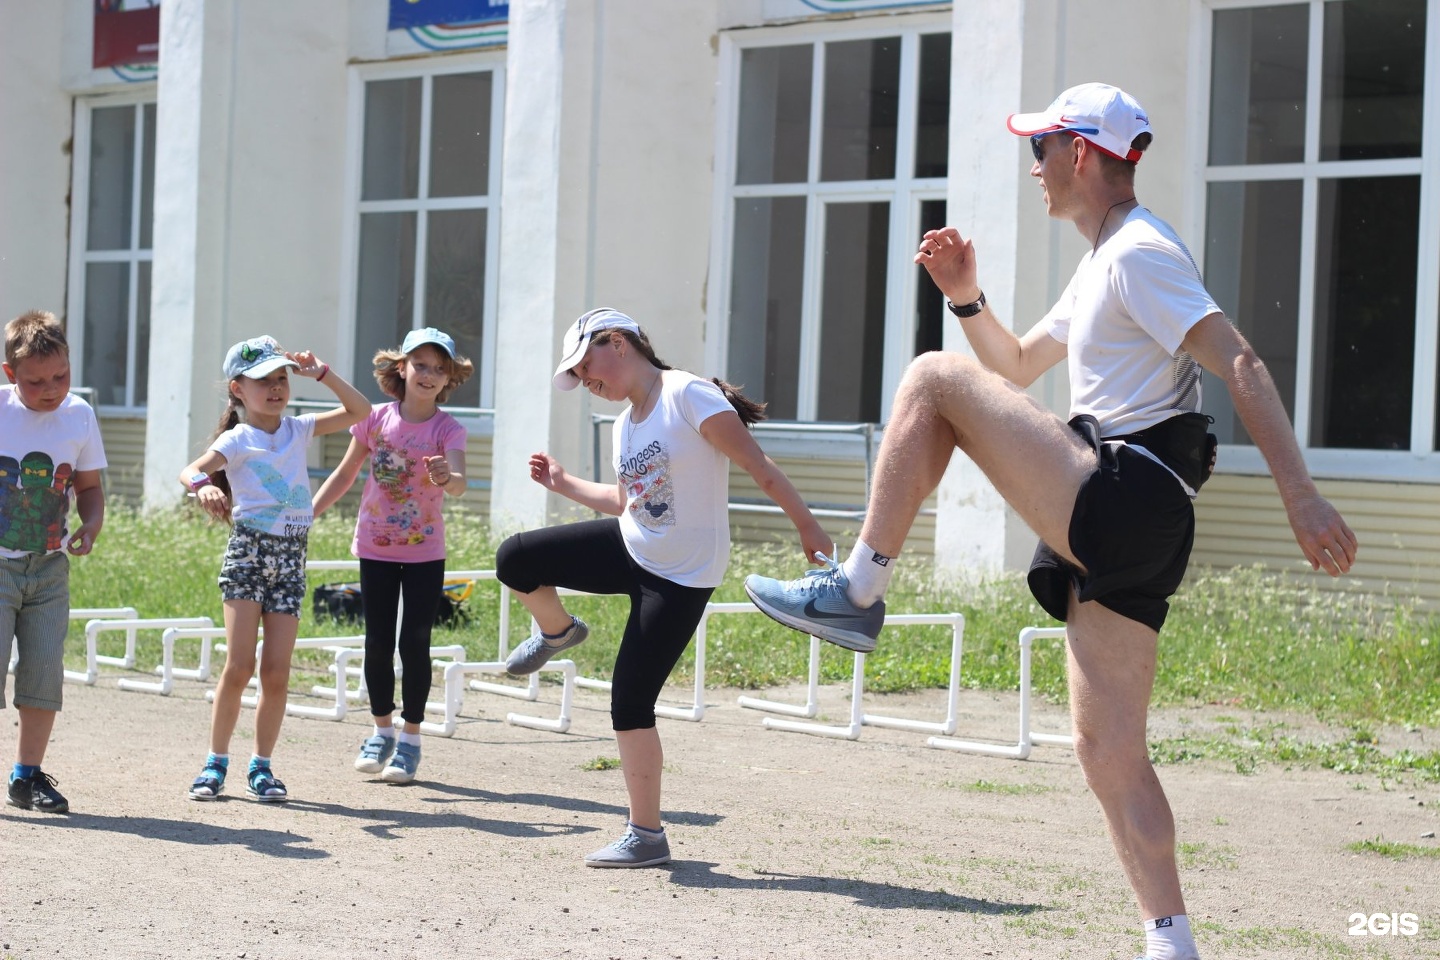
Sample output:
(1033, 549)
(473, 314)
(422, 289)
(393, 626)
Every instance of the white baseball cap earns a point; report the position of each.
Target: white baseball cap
(577, 341)
(1105, 116)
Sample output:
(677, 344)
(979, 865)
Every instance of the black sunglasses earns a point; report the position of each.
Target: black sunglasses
(1038, 150)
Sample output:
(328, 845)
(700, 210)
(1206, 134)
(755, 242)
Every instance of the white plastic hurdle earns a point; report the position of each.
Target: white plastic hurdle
(1028, 737)
(858, 718)
(94, 628)
(343, 655)
(167, 669)
(90, 613)
(455, 674)
(693, 713)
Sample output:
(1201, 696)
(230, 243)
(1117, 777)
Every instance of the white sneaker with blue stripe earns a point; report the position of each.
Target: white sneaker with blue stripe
(817, 604)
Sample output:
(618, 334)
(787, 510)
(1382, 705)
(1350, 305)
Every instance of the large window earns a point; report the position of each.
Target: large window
(112, 195)
(1320, 226)
(427, 214)
(836, 164)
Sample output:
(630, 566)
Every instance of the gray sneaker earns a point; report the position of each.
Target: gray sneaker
(817, 604)
(535, 652)
(374, 753)
(631, 850)
(403, 765)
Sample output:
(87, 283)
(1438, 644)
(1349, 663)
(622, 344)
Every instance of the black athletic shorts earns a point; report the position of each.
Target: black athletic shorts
(1132, 527)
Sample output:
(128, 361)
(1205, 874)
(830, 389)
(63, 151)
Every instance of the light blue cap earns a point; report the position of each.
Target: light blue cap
(418, 338)
(255, 358)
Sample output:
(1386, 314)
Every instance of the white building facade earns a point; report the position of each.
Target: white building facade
(749, 179)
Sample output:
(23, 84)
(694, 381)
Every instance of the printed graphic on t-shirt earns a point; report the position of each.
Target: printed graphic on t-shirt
(288, 499)
(401, 519)
(648, 489)
(34, 502)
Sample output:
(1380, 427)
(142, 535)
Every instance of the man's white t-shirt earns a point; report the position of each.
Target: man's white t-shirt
(40, 453)
(676, 522)
(269, 475)
(1123, 318)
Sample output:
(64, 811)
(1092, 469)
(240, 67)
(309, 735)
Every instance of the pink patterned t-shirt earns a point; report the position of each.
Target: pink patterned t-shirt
(400, 517)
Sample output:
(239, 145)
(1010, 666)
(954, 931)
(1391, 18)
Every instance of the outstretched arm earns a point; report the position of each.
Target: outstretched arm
(1323, 536)
(341, 479)
(726, 433)
(355, 406)
(950, 260)
(546, 471)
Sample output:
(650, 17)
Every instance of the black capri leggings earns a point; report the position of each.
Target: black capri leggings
(382, 583)
(591, 556)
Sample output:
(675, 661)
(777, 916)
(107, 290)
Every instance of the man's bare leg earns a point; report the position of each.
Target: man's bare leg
(1112, 673)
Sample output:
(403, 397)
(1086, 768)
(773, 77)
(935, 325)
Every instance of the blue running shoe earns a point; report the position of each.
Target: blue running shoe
(818, 605)
(631, 850)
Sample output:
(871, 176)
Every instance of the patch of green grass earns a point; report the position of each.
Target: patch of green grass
(1240, 637)
(1191, 855)
(1011, 789)
(1247, 748)
(601, 763)
(1392, 850)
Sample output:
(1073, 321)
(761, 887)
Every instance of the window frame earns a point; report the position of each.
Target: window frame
(425, 70)
(1421, 463)
(905, 194)
(80, 256)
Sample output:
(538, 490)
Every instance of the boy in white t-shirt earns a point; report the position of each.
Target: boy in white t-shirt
(1110, 492)
(50, 453)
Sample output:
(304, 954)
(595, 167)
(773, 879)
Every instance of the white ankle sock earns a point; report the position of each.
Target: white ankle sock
(868, 573)
(388, 732)
(646, 832)
(1169, 938)
(411, 738)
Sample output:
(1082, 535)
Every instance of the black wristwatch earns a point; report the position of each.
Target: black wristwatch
(969, 309)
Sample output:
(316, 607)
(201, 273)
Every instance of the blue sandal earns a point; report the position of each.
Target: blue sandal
(209, 784)
(265, 787)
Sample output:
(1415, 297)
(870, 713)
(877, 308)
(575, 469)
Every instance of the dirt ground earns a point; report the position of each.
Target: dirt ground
(785, 845)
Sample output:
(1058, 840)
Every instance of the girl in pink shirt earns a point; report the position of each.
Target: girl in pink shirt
(416, 453)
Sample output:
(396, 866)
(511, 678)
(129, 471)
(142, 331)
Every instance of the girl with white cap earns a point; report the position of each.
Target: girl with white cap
(666, 543)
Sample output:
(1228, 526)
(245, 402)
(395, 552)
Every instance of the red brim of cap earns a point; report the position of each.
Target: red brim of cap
(1029, 124)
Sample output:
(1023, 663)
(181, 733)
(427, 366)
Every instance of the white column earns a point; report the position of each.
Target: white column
(187, 306)
(527, 341)
(975, 531)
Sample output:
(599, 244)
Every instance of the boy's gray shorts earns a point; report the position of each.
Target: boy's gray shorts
(34, 617)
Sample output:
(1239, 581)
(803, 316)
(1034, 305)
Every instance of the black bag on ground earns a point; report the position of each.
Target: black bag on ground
(343, 602)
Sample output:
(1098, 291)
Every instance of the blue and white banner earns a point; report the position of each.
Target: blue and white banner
(420, 26)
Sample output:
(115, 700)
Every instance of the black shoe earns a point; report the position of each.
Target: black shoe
(37, 792)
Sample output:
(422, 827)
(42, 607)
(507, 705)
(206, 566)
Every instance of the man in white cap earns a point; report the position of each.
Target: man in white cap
(1110, 492)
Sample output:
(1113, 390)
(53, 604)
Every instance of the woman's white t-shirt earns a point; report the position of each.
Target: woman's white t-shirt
(676, 522)
(1123, 316)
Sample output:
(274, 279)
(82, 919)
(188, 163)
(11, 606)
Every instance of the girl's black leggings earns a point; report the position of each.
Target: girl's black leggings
(382, 584)
(591, 556)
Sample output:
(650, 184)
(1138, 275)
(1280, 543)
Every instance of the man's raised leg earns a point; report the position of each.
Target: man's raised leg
(945, 400)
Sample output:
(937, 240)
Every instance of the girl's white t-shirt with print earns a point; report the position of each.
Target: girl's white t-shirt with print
(676, 522)
(269, 475)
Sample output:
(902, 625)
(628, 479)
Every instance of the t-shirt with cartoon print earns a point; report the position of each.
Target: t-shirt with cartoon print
(39, 456)
(676, 522)
(269, 476)
(400, 518)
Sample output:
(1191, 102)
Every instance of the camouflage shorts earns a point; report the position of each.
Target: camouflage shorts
(265, 568)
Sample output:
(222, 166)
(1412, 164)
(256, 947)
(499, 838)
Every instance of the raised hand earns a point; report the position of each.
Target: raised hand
(950, 260)
(546, 471)
(308, 365)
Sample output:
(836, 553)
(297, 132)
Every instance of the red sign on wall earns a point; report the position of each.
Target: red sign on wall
(126, 32)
